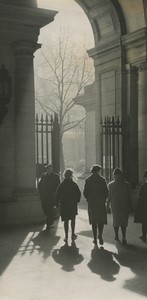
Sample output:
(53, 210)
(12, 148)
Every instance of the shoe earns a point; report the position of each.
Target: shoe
(142, 238)
(116, 238)
(124, 242)
(66, 240)
(74, 237)
(95, 242)
(100, 240)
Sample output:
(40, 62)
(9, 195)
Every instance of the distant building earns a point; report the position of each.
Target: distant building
(74, 148)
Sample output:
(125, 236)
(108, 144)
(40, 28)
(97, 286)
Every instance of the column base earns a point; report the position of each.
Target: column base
(23, 208)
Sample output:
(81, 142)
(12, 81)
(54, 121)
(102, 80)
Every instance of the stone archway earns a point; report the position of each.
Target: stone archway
(119, 88)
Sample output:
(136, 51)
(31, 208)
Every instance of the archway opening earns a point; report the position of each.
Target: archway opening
(62, 70)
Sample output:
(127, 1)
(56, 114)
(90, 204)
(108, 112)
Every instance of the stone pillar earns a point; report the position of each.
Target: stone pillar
(99, 158)
(132, 112)
(142, 119)
(25, 168)
(90, 140)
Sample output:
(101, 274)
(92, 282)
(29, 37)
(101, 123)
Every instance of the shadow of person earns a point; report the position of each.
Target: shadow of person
(102, 263)
(134, 258)
(46, 241)
(67, 256)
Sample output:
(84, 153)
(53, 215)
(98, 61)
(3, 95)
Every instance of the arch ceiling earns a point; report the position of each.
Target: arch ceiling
(133, 12)
(112, 18)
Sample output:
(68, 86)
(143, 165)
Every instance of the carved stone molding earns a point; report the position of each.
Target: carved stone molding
(30, 3)
(134, 39)
(26, 48)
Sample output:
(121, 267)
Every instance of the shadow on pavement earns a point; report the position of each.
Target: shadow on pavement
(46, 240)
(134, 258)
(12, 241)
(67, 256)
(103, 264)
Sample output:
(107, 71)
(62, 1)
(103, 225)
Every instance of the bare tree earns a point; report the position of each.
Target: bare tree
(61, 74)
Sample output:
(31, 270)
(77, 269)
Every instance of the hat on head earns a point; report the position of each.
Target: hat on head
(145, 174)
(68, 173)
(117, 171)
(96, 168)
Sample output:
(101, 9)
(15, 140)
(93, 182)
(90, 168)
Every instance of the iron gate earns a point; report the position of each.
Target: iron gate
(114, 145)
(47, 143)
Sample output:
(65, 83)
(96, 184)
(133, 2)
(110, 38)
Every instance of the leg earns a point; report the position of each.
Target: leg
(100, 229)
(94, 230)
(50, 219)
(66, 230)
(144, 232)
(123, 229)
(116, 229)
(48, 222)
(73, 222)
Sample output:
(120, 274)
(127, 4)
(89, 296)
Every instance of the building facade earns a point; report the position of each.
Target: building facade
(120, 60)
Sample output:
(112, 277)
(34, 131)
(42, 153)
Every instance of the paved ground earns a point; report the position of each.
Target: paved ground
(37, 265)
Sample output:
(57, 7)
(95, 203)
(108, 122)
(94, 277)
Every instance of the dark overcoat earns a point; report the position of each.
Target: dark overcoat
(47, 187)
(67, 196)
(120, 197)
(96, 192)
(141, 206)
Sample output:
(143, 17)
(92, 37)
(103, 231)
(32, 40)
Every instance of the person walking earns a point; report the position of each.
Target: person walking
(120, 197)
(96, 192)
(67, 197)
(47, 186)
(141, 208)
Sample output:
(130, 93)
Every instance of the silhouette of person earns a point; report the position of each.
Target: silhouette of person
(96, 192)
(68, 256)
(103, 263)
(67, 196)
(47, 186)
(120, 197)
(141, 208)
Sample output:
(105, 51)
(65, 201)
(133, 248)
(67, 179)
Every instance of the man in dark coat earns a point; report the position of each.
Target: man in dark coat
(47, 187)
(141, 208)
(96, 192)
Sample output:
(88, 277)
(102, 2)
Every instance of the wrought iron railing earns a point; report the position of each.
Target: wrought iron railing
(47, 142)
(111, 145)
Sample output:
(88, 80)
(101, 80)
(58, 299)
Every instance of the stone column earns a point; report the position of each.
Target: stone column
(142, 119)
(25, 168)
(99, 158)
(132, 112)
(90, 139)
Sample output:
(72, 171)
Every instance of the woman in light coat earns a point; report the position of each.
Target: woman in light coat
(141, 208)
(120, 197)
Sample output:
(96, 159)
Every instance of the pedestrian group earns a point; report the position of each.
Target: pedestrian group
(101, 198)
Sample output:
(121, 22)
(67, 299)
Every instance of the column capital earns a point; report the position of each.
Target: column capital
(143, 67)
(131, 68)
(25, 48)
